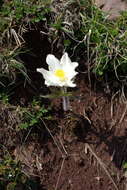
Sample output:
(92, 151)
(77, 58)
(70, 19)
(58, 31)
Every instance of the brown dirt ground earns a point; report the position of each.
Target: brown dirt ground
(88, 145)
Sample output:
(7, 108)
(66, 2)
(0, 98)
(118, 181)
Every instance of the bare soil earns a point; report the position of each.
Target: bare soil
(83, 149)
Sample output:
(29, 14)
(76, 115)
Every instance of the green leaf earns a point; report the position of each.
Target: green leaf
(125, 165)
(33, 122)
(23, 126)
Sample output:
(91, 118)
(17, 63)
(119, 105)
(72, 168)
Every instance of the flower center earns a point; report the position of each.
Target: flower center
(60, 73)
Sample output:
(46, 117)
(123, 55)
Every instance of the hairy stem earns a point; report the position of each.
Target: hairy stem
(66, 102)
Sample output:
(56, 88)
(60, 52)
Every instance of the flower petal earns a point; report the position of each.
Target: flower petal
(50, 79)
(68, 66)
(70, 72)
(74, 64)
(71, 84)
(65, 60)
(46, 74)
(52, 62)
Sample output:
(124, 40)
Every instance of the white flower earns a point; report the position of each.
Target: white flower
(61, 73)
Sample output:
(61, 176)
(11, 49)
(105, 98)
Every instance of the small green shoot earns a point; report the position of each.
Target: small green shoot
(4, 98)
(125, 165)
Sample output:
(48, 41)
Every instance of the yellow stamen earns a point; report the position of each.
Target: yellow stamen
(60, 73)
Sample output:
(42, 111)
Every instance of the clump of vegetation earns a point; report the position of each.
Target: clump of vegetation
(16, 17)
(79, 27)
(17, 12)
(89, 35)
(32, 115)
(12, 176)
(10, 68)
